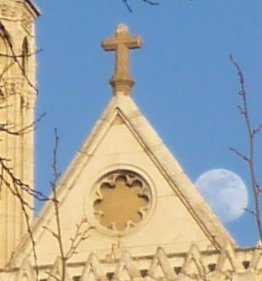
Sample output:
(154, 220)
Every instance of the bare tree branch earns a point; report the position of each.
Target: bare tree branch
(149, 2)
(251, 135)
(82, 229)
(81, 234)
(8, 176)
(16, 187)
(58, 235)
(26, 129)
(14, 57)
(239, 154)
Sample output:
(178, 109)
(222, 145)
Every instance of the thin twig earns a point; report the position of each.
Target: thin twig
(149, 2)
(251, 135)
(21, 55)
(238, 153)
(81, 234)
(16, 187)
(25, 129)
(7, 173)
(58, 235)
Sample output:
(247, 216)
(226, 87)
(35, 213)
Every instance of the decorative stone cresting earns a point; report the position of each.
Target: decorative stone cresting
(123, 199)
(228, 264)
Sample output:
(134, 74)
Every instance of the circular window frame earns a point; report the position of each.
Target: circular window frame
(94, 195)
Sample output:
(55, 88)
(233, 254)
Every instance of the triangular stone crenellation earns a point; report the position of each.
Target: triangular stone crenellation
(92, 269)
(191, 265)
(26, 272)
(56, 271)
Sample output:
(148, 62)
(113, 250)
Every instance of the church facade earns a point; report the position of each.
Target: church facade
(123, 210)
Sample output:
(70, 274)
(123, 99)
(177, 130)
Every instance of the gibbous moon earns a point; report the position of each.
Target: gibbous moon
(225, 192)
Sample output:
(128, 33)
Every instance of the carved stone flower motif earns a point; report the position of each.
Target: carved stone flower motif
(122, 200)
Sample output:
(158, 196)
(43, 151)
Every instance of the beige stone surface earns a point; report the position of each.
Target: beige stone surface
(177, 216)
(124, 198)
(121, 43)
(17, 40)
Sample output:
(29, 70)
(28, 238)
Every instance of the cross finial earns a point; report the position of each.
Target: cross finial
(121, 43)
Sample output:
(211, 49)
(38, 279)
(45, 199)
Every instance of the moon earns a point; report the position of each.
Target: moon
(225, 192)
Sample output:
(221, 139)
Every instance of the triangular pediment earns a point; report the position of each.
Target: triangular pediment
(126, 186)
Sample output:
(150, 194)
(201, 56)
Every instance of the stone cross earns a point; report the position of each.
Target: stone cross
(121, 43)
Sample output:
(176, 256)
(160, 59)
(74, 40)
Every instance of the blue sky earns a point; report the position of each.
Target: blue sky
(185, 83)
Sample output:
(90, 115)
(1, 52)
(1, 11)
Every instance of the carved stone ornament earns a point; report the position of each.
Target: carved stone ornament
(27, 22)
(123, 199)
(7, 11)
(17, 13)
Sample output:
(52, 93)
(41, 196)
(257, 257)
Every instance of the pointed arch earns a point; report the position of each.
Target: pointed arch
(3, 50)
(5, 34)
(25, 55)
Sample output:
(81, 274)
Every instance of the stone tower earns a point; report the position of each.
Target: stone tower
(17, 103)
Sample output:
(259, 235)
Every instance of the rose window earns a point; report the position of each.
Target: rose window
(122, 200)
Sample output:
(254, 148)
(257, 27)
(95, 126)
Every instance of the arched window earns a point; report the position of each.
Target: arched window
(25, 55)
(3, 52)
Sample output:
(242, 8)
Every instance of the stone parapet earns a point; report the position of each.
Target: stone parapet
(227, 264)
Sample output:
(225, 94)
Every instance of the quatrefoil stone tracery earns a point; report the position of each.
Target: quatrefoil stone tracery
(123, 199)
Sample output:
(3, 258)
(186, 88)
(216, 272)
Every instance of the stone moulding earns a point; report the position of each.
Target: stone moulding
(227, 264)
